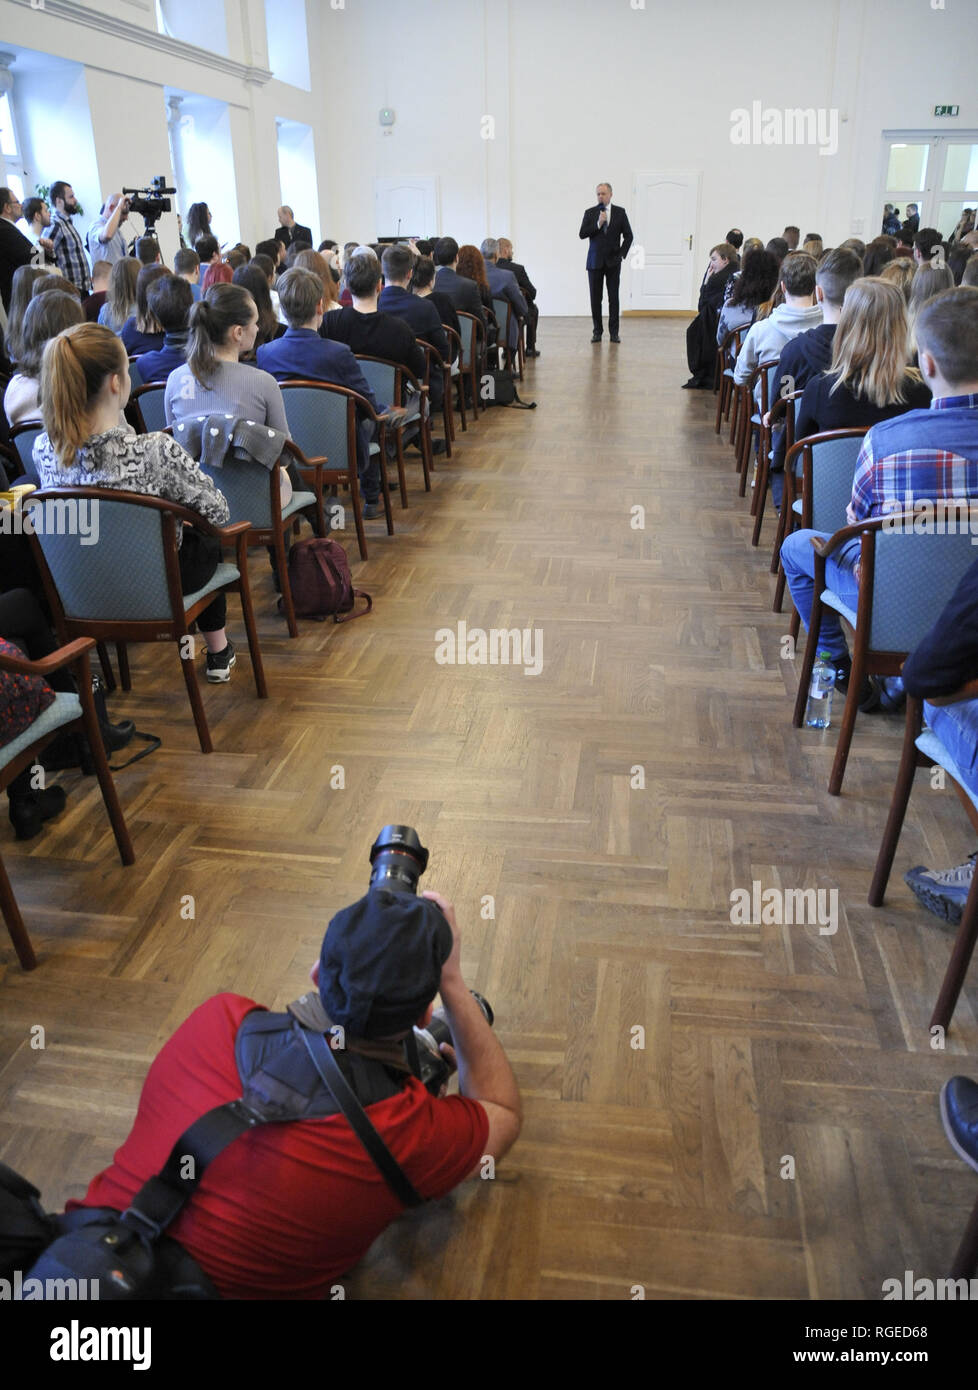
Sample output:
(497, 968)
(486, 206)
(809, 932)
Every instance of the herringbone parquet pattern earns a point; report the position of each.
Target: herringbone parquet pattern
(661, 1166)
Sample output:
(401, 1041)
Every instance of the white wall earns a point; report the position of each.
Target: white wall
(578, 90)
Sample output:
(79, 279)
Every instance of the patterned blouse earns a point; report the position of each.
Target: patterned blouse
(153, 464)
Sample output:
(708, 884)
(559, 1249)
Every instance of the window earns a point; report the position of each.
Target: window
(937, 172)
(14, 175)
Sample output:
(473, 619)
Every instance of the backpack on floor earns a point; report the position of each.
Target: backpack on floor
(502, 390)
(321, 583)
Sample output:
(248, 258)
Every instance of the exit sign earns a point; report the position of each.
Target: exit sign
(946, 110)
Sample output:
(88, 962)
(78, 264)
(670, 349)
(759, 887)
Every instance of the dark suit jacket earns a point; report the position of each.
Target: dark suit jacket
(522, 279)
(606, 248)
(446, 311)
(420, 315)
(15, 251)
(502, 285)
(463, 292)
(302, 354)
(287, 235)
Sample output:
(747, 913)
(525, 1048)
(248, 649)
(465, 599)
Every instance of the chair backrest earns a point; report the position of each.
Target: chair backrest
(914, 577)
(502, 309)
(149, 400)
(23, 438)
(318, 417)
(466, 325)
(245, 484)
(768, 380)
(135, 380)
(106, 558)
(382, 378)
(833, 464)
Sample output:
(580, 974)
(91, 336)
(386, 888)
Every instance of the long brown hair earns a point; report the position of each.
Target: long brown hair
(46, 317)
(318, 264)
(120, 300)
(869, 350)
(211, 320)
(472, 266)
(146, 320)
(20, 297)
(73, 370)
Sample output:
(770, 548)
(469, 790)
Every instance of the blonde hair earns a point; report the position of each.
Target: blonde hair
(869, 350)
(899, 272)
(74, 368)
(120, 300)
(928, 280)
(318, 264)
(813, 246)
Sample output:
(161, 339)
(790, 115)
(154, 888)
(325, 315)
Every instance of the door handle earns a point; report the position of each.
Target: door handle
(691, 241)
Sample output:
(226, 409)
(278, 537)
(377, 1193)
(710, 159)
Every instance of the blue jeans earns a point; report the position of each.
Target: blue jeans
(798, 559)
(957, 728)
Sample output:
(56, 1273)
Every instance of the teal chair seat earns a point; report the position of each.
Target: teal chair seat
(64, 709)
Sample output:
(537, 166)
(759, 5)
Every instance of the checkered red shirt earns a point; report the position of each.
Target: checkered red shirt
(924, 454)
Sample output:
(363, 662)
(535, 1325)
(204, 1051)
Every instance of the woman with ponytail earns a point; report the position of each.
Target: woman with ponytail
(84, 386)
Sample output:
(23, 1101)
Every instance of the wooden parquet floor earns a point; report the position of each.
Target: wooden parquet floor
(663, 1166)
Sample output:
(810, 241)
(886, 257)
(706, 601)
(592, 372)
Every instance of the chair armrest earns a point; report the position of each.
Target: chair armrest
(54, 661)
(894, 520)
(225, 534)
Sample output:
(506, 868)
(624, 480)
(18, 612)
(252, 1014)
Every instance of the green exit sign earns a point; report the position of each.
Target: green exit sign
(946, 110)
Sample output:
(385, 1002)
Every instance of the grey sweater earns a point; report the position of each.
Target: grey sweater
(235, 389)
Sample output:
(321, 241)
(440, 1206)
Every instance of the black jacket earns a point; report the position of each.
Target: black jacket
(446, 311)
(607, 246)
(287, 235)
(947, 658)
(822, 409)
(522, 279)
(375, 335)
(463, 292)
(15, 251)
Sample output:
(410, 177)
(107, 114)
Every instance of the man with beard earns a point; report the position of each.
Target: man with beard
(69, 249)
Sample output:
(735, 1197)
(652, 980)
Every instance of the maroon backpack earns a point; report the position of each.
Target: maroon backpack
(322, 586)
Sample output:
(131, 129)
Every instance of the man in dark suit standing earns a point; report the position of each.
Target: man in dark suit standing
(15, 249)
(290, 230)
(609, 238)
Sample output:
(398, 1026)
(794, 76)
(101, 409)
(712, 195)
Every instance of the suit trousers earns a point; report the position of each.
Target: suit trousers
(611, 274)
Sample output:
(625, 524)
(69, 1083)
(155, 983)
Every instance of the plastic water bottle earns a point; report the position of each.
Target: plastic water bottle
(818, 711)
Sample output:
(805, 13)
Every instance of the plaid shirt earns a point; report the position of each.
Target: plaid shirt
(922, 455)
(69, 252)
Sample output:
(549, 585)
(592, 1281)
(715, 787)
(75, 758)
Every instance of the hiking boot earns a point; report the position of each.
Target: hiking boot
(943, 892)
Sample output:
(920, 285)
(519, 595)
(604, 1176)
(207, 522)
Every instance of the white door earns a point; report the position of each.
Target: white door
(664, 222)
(406, 206)
(937, 172)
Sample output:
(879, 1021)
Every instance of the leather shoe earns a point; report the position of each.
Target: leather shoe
(29, 812)
(438, 446)
(372, 510)
(959, 1114)
(533, 352)
(595, 337)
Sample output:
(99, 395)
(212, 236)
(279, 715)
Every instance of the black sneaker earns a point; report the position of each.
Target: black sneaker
(30, 810)
(219, 664)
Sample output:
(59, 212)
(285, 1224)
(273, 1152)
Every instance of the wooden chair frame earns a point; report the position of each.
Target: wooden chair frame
(471, 371)
(74, 655)
(403, 376)
(433, 360)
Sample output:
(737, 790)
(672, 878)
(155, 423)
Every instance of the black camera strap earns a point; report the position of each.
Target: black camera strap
(339, 1088)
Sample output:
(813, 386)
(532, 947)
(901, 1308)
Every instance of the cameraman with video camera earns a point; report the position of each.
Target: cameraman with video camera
(296, 1186)
(105, 239)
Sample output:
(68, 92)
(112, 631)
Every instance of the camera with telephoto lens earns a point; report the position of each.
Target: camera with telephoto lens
(150, 202)
(398, 859)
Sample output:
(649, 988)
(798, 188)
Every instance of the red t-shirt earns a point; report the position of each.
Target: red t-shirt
(286, 1208)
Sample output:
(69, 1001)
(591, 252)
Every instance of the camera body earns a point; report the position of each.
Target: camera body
(150, 203)
(434, 1070)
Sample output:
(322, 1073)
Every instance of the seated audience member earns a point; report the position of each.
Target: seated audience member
(923, 454)
(318, 264)
(701, 335)
(472, 266)
(958, 259)
(812, 246)
(213, 270)
(235, 259)
(970, 276)
(51, 284)
(791, 236)
(214, 381)
(301, 354)
(767, 339)
(503, 285)
(752, 243)
(420, 315)
(778, 248)
(752, 285)
(944, 662)
(925, 244)
(141, 332)
(879, 253)
(928, 281)
(120, 301)
(148, 251)
(308, 1201)
(462, 291)
(186, 264)
(899, 272)
(294, 251)
(267, 267)
(365, 330)
(243, 251)
(275, 250)
(255, 282)
(84, 387)
(423, 285)
(735, 238)
(527, 289)
(25, 278)
(92, 305)
(46, 317)
(902, 246)
(853, 243)
(170, 301)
